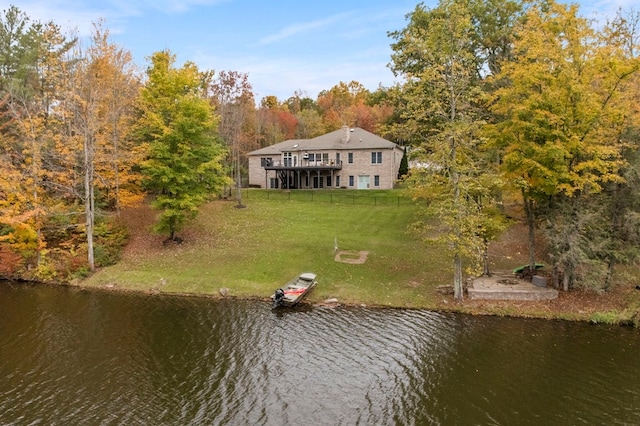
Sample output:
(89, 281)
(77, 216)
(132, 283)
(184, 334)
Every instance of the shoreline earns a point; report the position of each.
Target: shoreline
(495, 308)
(252, 251)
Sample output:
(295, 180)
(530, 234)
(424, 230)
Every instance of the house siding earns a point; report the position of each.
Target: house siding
(362, 168)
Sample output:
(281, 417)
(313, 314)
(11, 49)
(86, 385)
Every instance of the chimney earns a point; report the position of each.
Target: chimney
(346, 135)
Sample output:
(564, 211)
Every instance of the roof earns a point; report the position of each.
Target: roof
(358, 139)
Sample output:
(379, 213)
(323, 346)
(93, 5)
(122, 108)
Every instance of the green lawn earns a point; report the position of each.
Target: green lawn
(279, 234)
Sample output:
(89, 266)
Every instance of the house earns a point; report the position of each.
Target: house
(347, 158)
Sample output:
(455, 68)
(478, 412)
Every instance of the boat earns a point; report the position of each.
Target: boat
(524, 269)
(294, 291)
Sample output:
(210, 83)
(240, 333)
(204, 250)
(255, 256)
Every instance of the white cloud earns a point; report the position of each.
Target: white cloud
(305, 27)
(281, 76)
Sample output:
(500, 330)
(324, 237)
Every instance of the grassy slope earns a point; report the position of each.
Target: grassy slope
(253, 250)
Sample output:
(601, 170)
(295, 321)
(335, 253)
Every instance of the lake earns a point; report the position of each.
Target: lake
(76, 356)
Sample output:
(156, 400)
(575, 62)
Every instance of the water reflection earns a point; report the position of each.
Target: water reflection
(72, 356)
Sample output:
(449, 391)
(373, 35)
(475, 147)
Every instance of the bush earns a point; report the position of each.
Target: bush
(110, 237)
(45, 271)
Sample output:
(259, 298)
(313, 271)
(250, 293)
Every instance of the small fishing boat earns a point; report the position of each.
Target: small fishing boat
(294, 291)
(521, 269)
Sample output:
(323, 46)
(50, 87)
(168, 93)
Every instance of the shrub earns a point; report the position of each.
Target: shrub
(110, 237)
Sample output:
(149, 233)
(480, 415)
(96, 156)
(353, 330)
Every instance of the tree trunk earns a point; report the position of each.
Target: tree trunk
(555, 276)
(457, 277)
(89, 198)
(116, 174)
(457, 260)
(609, 278)
(528, 207)
(485, 259)
(238, 180)
(616, 226)
(172, 228)
(566, 279)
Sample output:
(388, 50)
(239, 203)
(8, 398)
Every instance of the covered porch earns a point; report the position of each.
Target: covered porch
(303, 177)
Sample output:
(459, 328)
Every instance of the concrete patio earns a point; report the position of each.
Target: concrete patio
(501, 287)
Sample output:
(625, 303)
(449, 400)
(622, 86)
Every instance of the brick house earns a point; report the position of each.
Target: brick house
(347, 158)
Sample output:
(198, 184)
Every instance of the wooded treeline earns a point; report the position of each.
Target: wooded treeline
(85, 133)
(526, 96)
(496, 98)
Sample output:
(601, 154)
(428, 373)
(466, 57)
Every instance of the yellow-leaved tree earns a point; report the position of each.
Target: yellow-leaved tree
(99, 108)
(33, 72)
(563, 107)
(438, 54)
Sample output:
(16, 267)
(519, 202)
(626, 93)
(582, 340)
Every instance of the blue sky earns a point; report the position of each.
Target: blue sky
(283, 45)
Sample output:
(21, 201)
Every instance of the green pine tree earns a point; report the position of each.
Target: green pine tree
(403, 170)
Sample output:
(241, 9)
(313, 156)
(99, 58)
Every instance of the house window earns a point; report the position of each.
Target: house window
(350, 180)
(325, 157)
(328, 181)
(266, 161)
(273, 183)
(312, 157)
(376, 180)
(287, 156)
(376, 157)
(337, 181)
(337, 158)
(350, 158)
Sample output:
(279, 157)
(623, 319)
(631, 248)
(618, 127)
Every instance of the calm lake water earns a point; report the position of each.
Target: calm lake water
(78, 357)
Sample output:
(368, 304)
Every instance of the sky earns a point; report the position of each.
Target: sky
(284, 46)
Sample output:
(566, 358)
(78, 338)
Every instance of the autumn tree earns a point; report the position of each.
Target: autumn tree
(183, 165)
(34, 67)
(300, 117)
(117, 156)
(308, 120)
(98, 107)
(232, 97)
(275, 123)
(563, 110)
(622, 199)
(308, 124)
(437, 55)
(396, 125)
(339, 105)
(16, 234)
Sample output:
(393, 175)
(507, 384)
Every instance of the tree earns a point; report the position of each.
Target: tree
(34, 67)
(308, 120)
(117, 155)
(101, 96)
(183, 165)
(309, 124)
(403, 170)
(275, 122)
(338, 105)
(17, 236)
(563, 110)
(232, 97)
(436, 53)
(16, 46)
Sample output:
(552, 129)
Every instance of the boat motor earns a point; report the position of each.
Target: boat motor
(278, 297)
